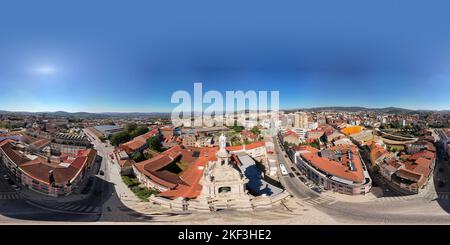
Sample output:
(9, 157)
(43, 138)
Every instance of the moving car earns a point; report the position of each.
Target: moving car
(283, 170)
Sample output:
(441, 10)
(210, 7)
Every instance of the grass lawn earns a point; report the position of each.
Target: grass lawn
(182, 165)
(141, 192)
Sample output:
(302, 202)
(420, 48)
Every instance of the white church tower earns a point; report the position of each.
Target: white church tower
(223, 186)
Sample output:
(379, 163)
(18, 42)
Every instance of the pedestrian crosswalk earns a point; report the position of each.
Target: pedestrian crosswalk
(317, 200)
(427, 196)
(9, 196)
(439, 196)
(396, 198)
(78, 207)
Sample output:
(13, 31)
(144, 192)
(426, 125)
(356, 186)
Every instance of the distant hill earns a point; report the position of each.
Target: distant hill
(358, 108)
(167, 114)
(88, 114)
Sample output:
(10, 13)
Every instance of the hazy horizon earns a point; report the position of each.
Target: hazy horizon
(62, 56)
(162, 112)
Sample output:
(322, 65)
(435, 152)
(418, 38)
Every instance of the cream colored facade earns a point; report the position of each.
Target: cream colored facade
(301, 120)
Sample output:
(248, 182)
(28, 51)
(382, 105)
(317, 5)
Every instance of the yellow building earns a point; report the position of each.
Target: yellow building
(352, 130)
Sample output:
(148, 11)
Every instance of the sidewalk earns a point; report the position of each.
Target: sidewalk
(348, 198)
(127, 197)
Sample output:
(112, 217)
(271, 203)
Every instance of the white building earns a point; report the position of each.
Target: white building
(301, 120)
(301, 132)
(313, 125)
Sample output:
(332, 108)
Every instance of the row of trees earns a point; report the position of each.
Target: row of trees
(130, 131)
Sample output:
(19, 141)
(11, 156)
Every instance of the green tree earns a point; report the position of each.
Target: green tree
(256, 130)
(138, 156)
(139, 131)
(147, 155)
(130, 127)
(237, 129)
(315, 144)
(120, 137)
(154, 143)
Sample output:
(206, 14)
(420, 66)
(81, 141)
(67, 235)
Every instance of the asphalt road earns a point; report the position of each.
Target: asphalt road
(399, 210)
(293, 184)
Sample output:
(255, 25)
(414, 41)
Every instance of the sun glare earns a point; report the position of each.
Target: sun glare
(45, 70)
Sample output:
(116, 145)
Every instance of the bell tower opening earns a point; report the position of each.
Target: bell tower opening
(224, 189)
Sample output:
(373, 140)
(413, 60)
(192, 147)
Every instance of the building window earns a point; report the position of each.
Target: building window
(224, 189)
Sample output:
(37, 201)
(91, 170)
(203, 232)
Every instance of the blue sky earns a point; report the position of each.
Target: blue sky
(132, 55)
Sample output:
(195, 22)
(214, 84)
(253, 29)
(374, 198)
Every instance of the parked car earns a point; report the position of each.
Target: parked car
(15, 187)
(5, 176)
(316, 189)
(101, 172)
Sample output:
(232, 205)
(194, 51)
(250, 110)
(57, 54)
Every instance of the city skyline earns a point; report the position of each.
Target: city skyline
(54, 60)
(225, 113)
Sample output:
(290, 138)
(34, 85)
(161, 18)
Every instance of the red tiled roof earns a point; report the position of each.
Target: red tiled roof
(149, 134)
(255, 145)
(78, 162)
(14, 155)
(133, 145)
(306, 149)
(235, 148)
(395, 163)
(250, 146)
(139, 141)
(338, 169)
(423, 162)
(39, 168)
(192, 176)
(425, 154)
(409, 175)
(154, 167)
(185, 184)
(290, 133)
